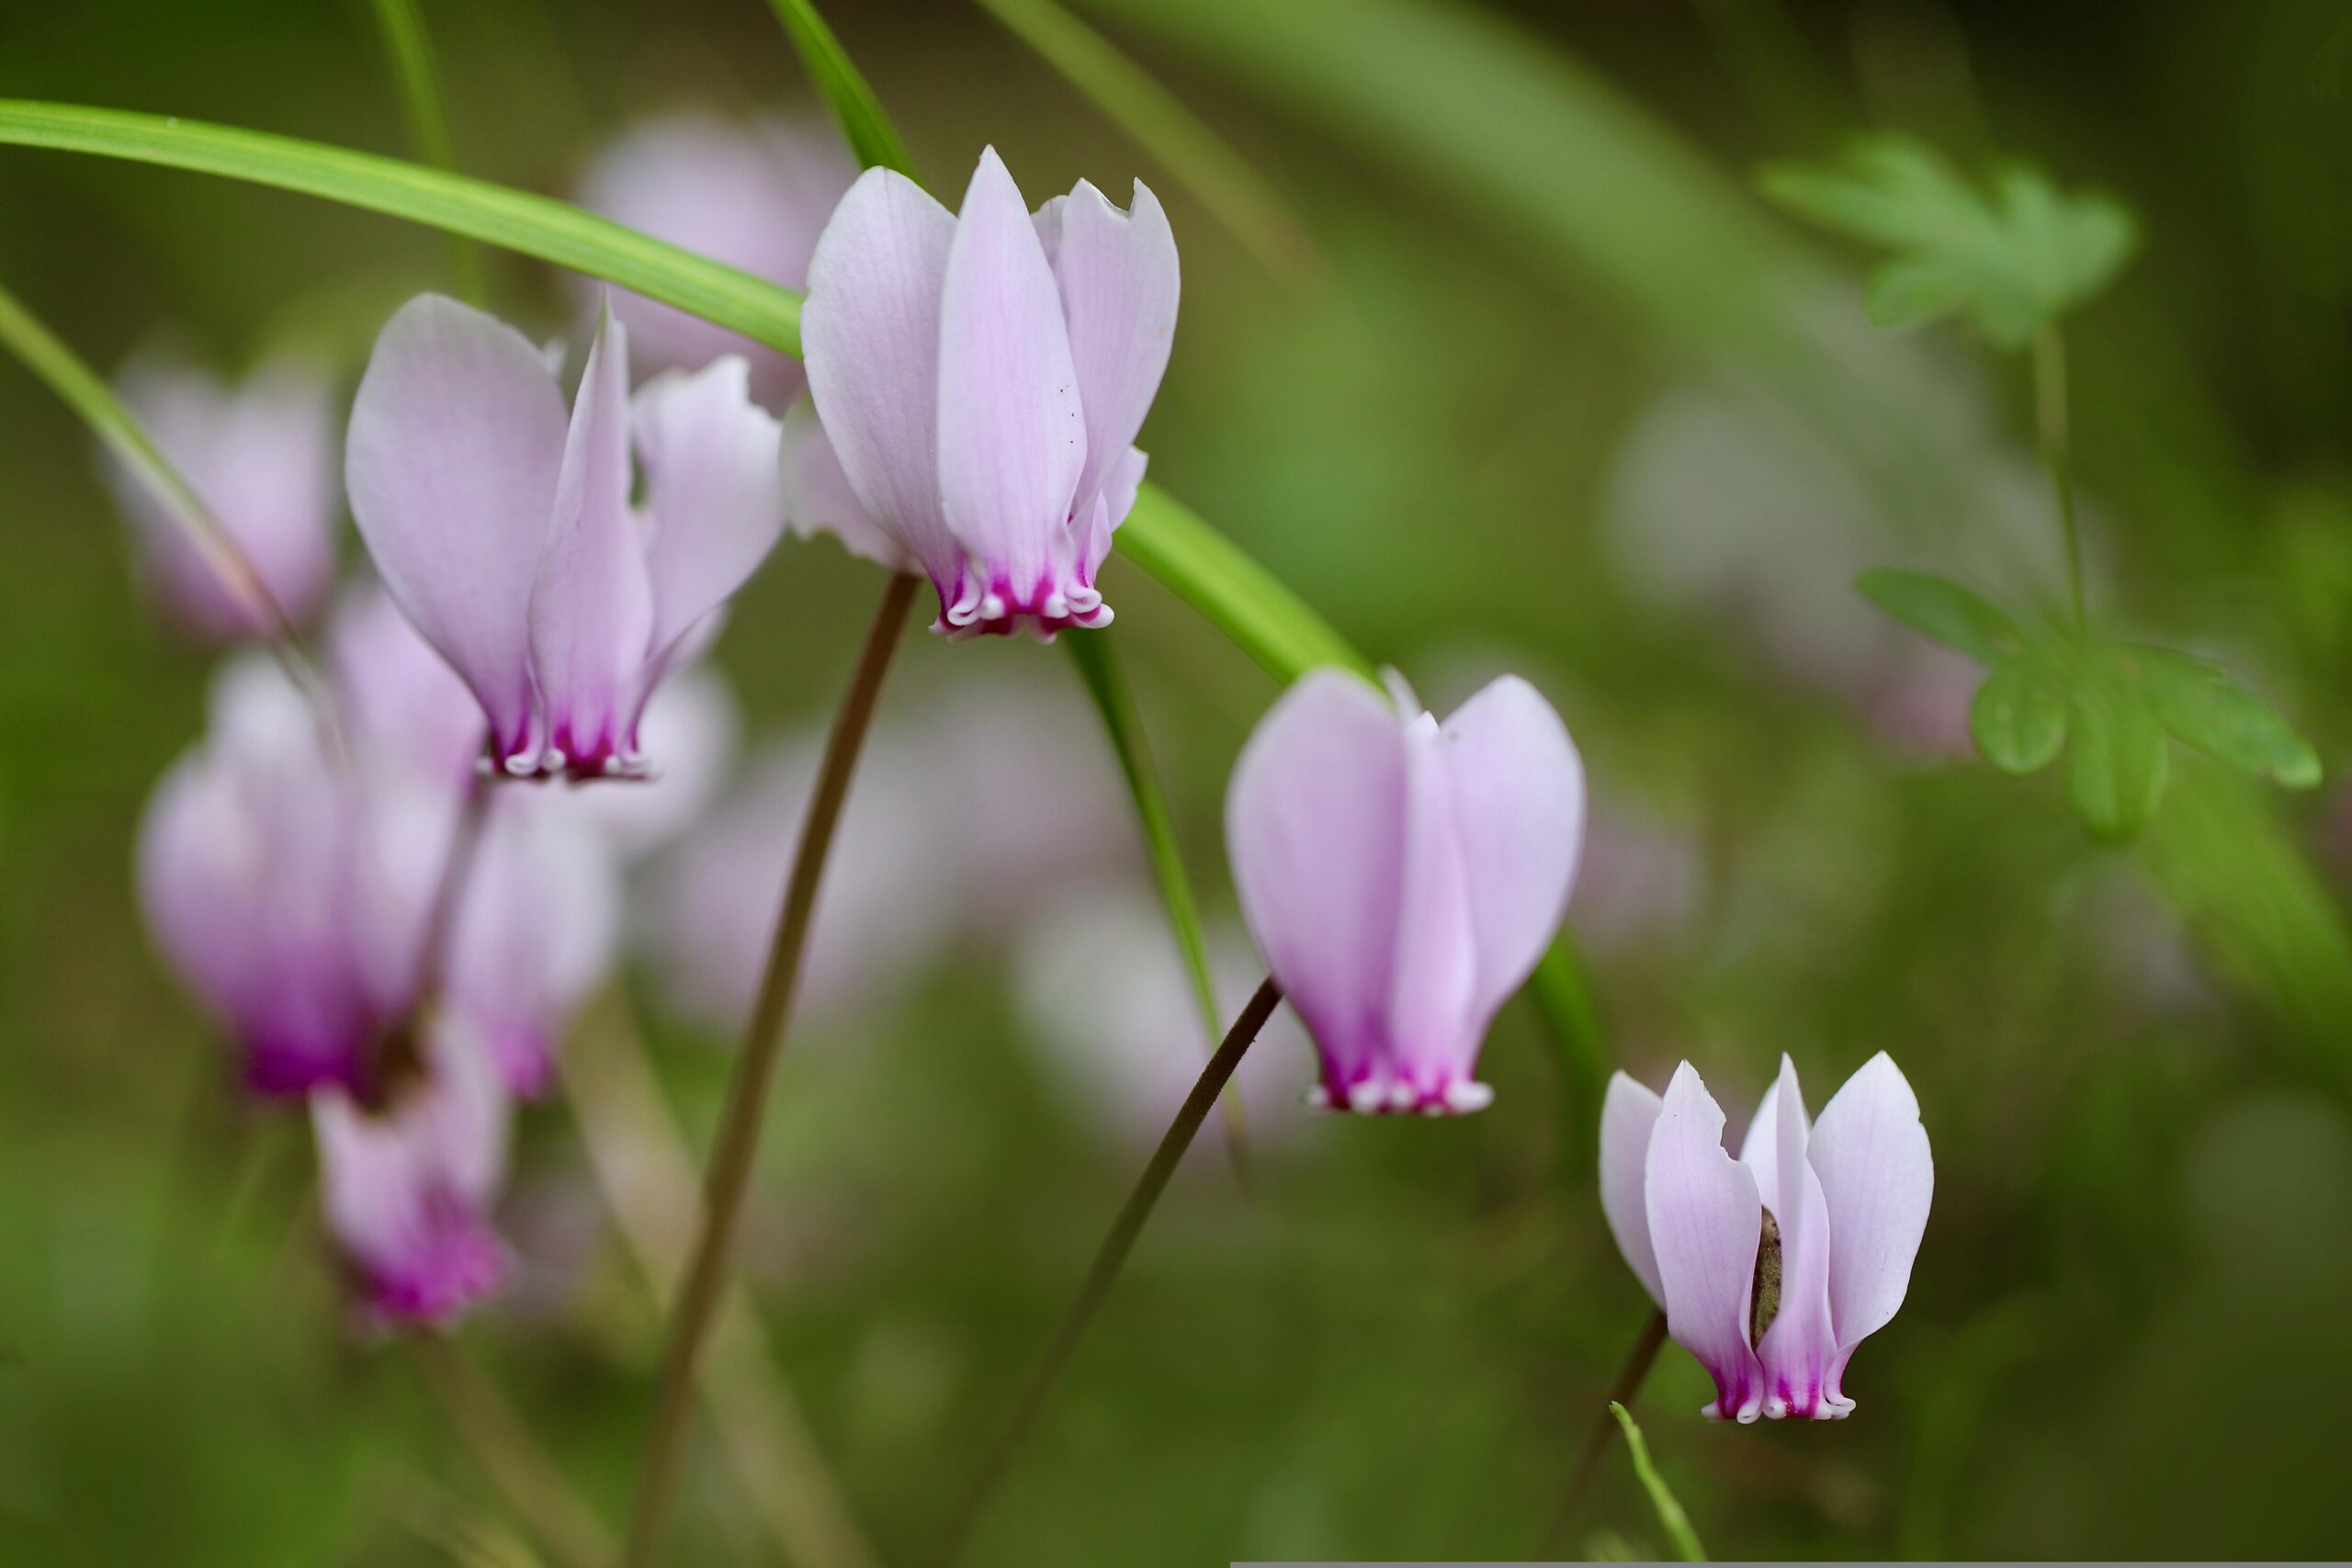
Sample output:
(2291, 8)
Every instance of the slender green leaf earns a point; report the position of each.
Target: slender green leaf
(1239, 597)
(2115, 755)
(411, 48)
(536, 225)
(2018, 717)
(839, 82)
(1670, 1516)
(1097, 658)
(2014, 260)
(1937, 607)
(1224, 182)
(2201, 706)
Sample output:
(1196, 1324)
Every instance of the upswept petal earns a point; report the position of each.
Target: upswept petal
(818, 498)
(1119, 287)
(1012, 430)
(591, 603)
(1760, 1151)
(1628, 1116)
(1706, 1222)
(1877, 1179)
(1433, 1036)
(1518, 800)
(714, 487)
(1797, 1349)
(1313, 823)
(457, 437)
(870, 335)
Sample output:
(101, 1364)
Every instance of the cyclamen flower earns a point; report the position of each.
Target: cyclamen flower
(752, 195)
(290, 895)
(982, 376)
(1773, 1266)
(260, 455)
(507, 536)
(407, 1190)
(1402, 877)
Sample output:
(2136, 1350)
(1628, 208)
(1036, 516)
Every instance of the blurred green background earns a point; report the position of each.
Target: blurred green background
(1533, 380)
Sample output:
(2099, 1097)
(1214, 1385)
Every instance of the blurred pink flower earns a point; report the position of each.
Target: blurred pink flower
(1403, 877)
(752, 196)
(1106, 1002)
(289, 894)
(982, 376)
(408, 1188)
(508, 535)
(261, 457)
(1773, 1266)
(925, 857)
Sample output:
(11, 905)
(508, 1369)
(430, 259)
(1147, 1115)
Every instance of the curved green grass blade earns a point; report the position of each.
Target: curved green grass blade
(844, 89)
(1239, 597)
(411, 48)
(536, 225)
(1203, 163)
(1670, 1516)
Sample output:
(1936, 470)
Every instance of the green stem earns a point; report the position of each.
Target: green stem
(411, 48)
(1108, 1258)
(1630, 1378)
(87, 394)
(1096, 656)
(2050, 425)
(533, 1484)
(747, 1092)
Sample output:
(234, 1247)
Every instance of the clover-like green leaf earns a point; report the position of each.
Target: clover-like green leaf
(1940, 608)
(2019, 716)
(2115, 759)
(2202, 707)
(2013, 259)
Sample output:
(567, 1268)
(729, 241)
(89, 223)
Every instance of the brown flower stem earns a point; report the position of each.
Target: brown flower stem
(1630, 1378)
(730, 1171)
(543, 1500)
(1108, 1258)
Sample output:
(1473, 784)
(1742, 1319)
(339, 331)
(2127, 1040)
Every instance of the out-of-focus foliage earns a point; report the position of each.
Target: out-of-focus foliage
(2012, 262)
(1567, 397)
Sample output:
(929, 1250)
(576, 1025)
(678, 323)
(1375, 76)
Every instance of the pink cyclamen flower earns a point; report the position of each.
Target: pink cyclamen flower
(289, 894)
(1773, 1266)
(506, 532)
(261, 457)
(752, 195)
(1402, 877)
(408, 1188)
(982, 376)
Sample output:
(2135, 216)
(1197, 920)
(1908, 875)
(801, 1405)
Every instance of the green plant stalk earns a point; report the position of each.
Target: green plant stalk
(536, 226)
(730, 1171)
(1203, 163)
(533, 1484)
(1233, 593)
(87, 394)
(1670, 1516)
(843, 87)
(411, 48)
(2050, 427)
(1108, 1258)
(1630, 1378)
(1097, 658)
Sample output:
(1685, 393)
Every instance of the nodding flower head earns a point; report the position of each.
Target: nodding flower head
(982, 376)
(1402, 876)
(289, 892)
(1773, 1266)
(506, 532)
(408, 1183)
(261, 457)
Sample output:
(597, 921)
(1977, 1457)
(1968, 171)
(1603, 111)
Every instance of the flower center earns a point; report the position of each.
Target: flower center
(1765, 1298)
